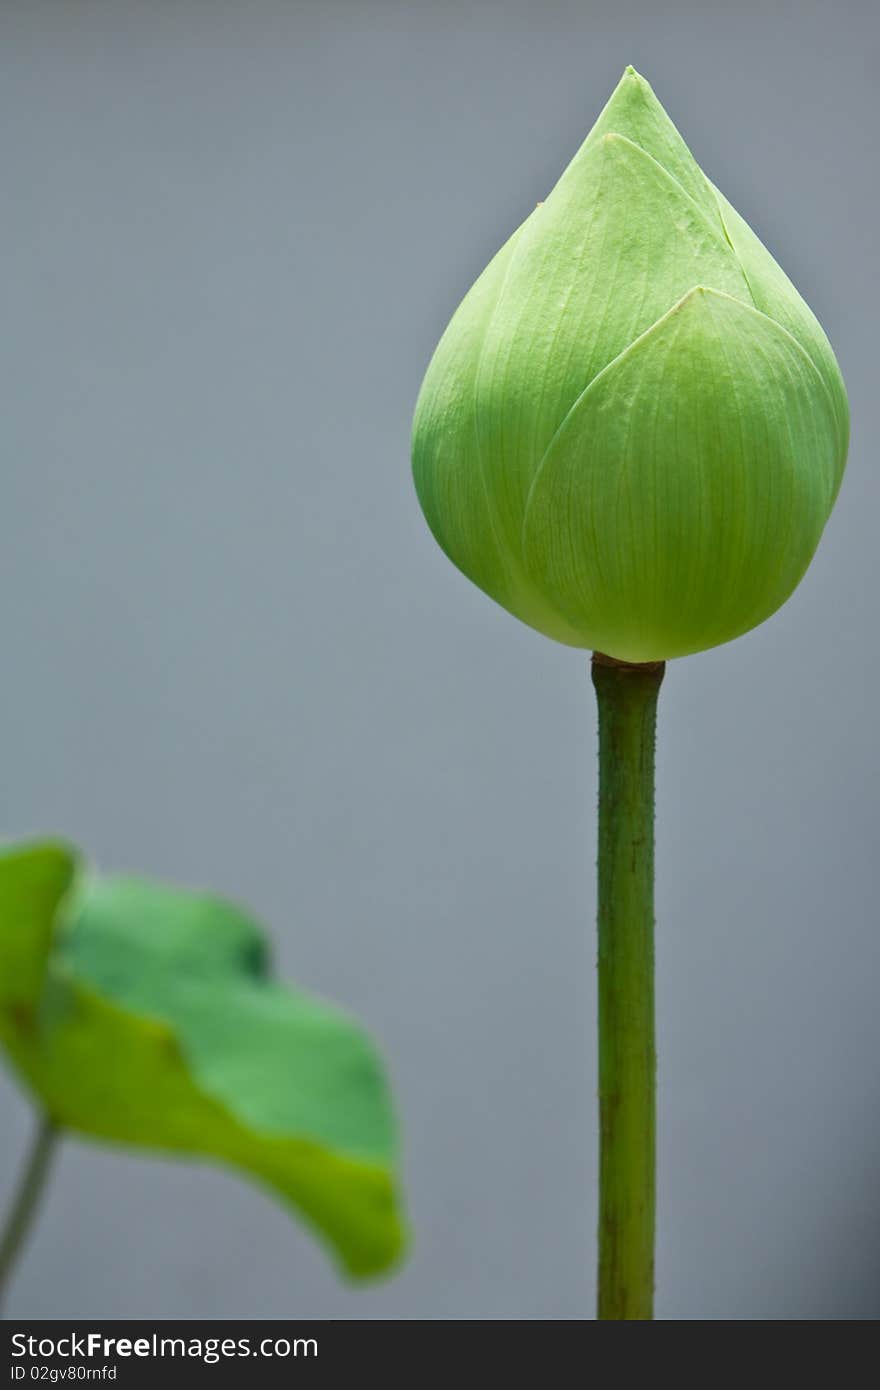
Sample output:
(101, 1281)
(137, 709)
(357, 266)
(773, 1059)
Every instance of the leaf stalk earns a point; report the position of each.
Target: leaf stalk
(26, 1198)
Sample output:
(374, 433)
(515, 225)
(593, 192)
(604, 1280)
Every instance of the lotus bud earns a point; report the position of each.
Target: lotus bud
(633, 430)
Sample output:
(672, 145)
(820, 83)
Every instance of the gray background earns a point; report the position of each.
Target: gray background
(231, 235)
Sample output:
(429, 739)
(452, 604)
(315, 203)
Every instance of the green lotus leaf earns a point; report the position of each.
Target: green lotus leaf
(146, 1015)
(537, 400)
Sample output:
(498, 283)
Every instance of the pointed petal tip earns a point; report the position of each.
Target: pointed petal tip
(633, 87)
(630, 74)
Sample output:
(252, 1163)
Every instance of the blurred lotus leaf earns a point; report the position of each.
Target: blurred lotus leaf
(146, 1015)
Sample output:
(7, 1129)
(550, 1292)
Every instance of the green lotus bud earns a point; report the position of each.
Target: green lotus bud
(633, 430)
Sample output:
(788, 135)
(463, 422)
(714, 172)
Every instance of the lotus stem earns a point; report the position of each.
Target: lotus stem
(27, 1197)
(627, 699)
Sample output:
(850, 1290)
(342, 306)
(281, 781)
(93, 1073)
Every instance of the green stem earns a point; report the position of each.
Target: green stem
(27, 1197)
(627, 698)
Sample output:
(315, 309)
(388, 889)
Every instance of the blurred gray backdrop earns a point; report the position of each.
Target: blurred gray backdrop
(233, 656)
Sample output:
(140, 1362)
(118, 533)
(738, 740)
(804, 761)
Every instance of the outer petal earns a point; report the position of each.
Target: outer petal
(683, 496)
(615, 244)
(448, 467)
(773, 293)
(634, 111)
